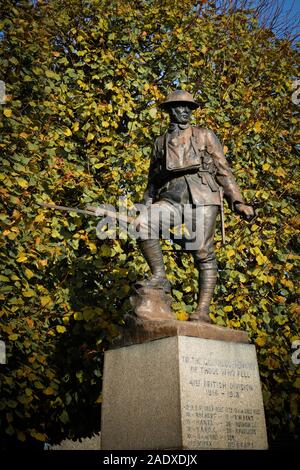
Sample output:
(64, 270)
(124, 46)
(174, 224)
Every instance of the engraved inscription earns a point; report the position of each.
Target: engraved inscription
(221, 401)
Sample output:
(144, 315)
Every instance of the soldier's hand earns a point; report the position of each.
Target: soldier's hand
(245, 210)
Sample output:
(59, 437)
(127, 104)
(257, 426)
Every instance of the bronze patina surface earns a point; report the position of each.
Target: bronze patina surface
(188, 167)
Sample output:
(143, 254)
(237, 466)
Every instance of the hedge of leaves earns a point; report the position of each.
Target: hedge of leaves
(83, 80)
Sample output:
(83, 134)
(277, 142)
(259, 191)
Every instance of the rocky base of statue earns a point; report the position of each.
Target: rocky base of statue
(137, 330)
(152, 304)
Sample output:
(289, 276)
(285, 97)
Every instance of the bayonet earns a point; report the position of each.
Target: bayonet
(90, 210)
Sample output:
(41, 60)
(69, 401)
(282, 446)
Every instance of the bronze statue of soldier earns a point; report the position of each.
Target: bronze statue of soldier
(188, 167)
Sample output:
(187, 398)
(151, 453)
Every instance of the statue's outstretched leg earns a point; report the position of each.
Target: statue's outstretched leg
(151, 224)
(152, 252)
(152, 301)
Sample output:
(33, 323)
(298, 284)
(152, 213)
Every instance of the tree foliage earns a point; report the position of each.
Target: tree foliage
(83, 80)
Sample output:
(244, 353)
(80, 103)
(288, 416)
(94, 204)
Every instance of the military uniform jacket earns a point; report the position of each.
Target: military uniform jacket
(189, 166)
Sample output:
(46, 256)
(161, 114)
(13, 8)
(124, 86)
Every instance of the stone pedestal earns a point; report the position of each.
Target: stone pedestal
(182, 391)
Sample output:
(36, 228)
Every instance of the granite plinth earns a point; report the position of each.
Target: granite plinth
(183, 392)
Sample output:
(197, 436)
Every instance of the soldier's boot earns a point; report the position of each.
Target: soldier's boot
(152, 252)
(207, 283)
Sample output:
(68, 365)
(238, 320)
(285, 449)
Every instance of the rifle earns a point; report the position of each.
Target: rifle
(90, 210)
(99, 211)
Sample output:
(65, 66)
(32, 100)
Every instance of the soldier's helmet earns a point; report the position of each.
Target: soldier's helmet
(179, 97)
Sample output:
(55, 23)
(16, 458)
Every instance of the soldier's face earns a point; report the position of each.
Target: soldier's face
(180, 114)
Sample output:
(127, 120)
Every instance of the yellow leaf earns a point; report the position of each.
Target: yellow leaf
(67, 132)
(264, 304)
(23, 135)
(266, 166)
(13, 337)
(294, 338)
(78, 316)
(48, 391)
(258, 126)
(261, 259)
(261, 340)
(39, 218)
(28, 273)
(38, 436)
(7, 112)
(99, 399)
(45, 300)
(182, 315)
(75, 126)
(271, 280)
(28, 293)
(287, 283)
(280, 172)
(230, 253)
(22, 182)
(90, 136)
(12, 235)
(60, 329)
(92, 246)
(228, 308)
(188, 289)
(153, 112)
